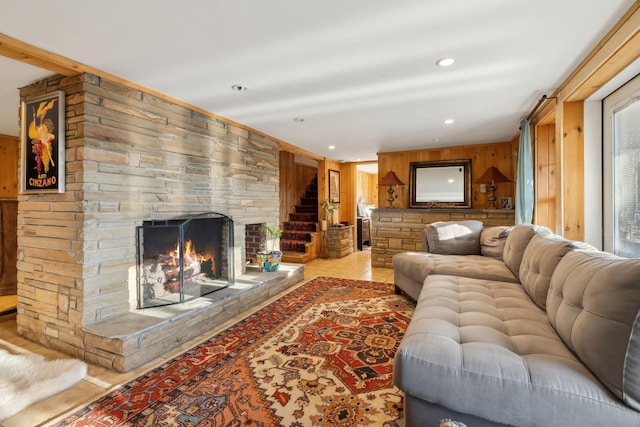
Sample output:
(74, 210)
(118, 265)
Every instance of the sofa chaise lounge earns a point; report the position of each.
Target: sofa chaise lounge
(518, 326)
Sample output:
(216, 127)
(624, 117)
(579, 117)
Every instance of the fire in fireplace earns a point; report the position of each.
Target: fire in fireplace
(182, 259)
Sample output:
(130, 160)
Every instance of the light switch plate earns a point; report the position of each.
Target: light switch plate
(483, 188)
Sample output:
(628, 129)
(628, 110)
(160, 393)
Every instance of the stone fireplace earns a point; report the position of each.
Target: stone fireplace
(255, 241)
(183, 259)
(133, 156)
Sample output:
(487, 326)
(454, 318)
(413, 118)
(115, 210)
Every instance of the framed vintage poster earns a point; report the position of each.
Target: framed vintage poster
(43, 127)
(334, 185)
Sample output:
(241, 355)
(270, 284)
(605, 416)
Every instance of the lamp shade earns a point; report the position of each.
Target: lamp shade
(492, 175)
(390, 179)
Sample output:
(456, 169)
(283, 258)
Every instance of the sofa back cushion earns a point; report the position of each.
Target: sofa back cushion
(516, 244)
(594, 305)
(492, 240)
(454, 237)
(539, 261)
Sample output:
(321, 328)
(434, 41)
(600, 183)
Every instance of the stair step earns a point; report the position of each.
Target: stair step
(304, 217)
(307, 208)
(293, 246)
(310, 227)
(298, 257)
(300, 232)
(309, 201)
(302, 236)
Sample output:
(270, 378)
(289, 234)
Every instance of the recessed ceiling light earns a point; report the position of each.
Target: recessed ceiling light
(436, 139)
(332, 147)
(298, 119)
(239, 88)
(445, 62)
(448, 122)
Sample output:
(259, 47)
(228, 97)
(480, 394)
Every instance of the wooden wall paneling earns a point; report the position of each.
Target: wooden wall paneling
(541, 178)
(373, 189)
(397, 162)
(9, 159)
(515, 145)
(552, 183)
(9, 246)
(499, 154)
(323, 183)
(545, 180)
(362, 186)
(573, 170)
(323, 189)
(367, 188)
(347, 210)
(288, 194)
(482, 158)
(348, 200)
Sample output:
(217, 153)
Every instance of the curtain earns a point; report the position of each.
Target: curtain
(524, 179)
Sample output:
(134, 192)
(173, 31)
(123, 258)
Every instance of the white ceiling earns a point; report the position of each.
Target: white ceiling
(361, 73)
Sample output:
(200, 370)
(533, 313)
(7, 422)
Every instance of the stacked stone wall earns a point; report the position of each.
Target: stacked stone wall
(400, 230)
(130, 156)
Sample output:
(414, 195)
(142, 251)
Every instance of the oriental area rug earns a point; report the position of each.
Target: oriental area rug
(321, 355)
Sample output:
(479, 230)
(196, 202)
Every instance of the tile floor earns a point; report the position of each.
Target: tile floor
(100, 381)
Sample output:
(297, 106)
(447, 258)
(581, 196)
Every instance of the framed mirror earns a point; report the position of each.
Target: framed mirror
(440, 184)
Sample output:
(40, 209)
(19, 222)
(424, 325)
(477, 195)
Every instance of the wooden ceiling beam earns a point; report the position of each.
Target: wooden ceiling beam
(23, 52)
(614, 52)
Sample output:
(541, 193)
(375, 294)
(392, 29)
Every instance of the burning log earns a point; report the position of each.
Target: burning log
(162, 274)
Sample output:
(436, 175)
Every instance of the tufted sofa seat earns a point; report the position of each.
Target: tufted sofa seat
(482, 259)
(412, 268)
(558, 347)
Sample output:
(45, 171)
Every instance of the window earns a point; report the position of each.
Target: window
(622, 170)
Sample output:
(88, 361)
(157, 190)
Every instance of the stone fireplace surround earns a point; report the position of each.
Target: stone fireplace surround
(133, 156)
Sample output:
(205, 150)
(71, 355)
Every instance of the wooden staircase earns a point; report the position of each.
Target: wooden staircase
(300, 239)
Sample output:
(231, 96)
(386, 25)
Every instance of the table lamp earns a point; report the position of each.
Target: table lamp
(390, 179)
(491, 176)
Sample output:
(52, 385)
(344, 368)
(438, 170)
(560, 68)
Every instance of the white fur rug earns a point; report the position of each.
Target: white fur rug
(25, 379)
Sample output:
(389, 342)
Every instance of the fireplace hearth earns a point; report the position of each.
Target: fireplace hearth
(183, 259)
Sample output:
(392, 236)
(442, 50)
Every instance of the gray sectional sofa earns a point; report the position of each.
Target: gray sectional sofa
(518, 326)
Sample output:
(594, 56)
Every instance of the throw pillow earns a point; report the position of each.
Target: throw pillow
(539, 261)
(517, 242)
(454, 237)
(492, 240)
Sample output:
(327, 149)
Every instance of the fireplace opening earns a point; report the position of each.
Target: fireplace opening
(255, 241)
(182, 259)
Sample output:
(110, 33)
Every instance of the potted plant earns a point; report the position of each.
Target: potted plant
(269, 259)
(329, 206)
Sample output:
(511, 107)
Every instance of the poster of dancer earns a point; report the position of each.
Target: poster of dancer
(43, 128)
